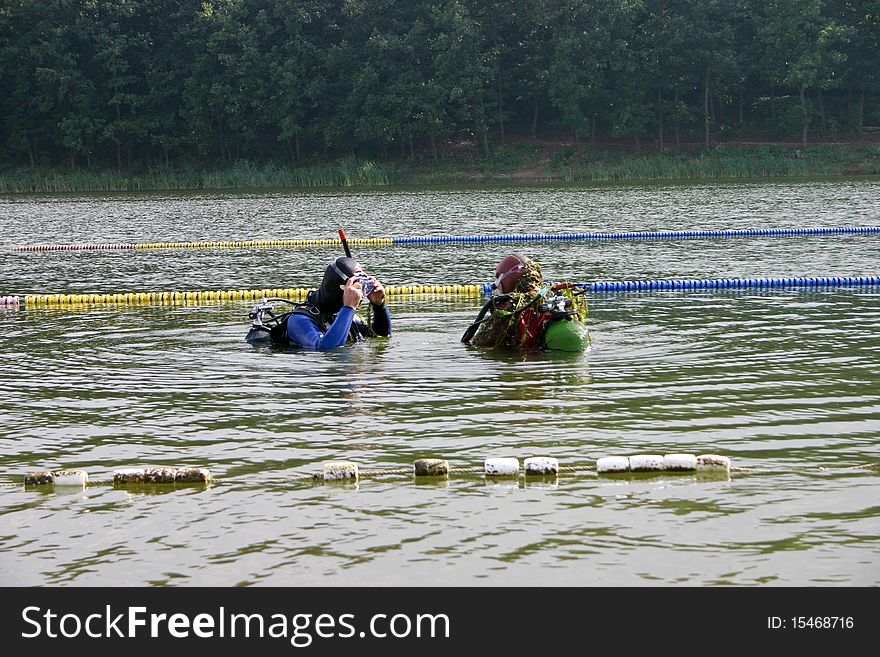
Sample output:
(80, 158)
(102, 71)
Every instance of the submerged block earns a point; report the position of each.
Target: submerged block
(77, 478)
(340, 471)
(38, 478)
(679, 462)
(159, 475)
(541, 465)
(431, 468)
(610, 464)
(128, 476)
(713, 463)
(192, 476)
(57, 478)
(502, 467)
(646, 462)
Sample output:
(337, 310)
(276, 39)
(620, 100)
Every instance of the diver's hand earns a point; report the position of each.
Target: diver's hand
(351, 293)
(377, 296)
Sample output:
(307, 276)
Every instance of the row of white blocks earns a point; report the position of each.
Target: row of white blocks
(156, 475)
(663, 463)
(614, 464)
(348, 471)
(545, 465)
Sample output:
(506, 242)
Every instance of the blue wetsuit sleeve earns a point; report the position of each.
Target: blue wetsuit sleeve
(304, 332)
(381, 323)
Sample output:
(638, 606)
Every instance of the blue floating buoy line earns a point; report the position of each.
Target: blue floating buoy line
(729, 283)
(645, 235)
(679, 284)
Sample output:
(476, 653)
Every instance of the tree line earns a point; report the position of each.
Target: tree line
(126, 82)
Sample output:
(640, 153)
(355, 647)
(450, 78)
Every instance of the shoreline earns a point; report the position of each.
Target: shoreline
(521, 163)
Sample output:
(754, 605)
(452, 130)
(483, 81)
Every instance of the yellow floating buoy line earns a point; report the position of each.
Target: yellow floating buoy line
(710, 465)
(374, 241)
(198, 297)
(244, 244)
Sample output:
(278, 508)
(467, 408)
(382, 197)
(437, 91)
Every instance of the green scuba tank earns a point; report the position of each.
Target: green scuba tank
(567, 334)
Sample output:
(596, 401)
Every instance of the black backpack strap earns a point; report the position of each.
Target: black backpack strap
(278, 333)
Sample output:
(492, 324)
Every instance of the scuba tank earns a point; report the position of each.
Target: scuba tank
(553, 324)
(564, 331)
(566, 335)
(267, 326)
(563, 328)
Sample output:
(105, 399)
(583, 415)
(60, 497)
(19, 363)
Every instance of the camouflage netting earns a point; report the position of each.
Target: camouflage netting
(508, 323)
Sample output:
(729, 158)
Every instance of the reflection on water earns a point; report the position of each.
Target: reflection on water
(786, 382)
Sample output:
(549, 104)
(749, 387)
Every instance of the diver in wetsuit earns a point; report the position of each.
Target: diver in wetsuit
(327, 319)
(525, 313)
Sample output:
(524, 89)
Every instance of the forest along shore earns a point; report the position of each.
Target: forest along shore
(137, 95)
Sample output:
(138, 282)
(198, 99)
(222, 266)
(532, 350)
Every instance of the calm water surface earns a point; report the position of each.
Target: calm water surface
(785, 382)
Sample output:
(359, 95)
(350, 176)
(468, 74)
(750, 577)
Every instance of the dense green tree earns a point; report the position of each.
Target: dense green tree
(583, 46)
(136, 82)
(462, 65)
(223, 90)
(169, 59)
(294, 38)
(122, 48)
(38, 71)
(711, 40)
(861, 20)
(801, 48)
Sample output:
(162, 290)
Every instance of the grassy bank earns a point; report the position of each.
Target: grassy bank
(721, 162)
(244, 174)
(532, 162)
(523, 162)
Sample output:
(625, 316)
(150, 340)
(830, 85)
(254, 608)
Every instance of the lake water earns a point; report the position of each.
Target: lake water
(784, 382)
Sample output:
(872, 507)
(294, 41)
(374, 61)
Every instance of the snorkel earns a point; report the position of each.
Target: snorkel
(344, 243)
(367, 285)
